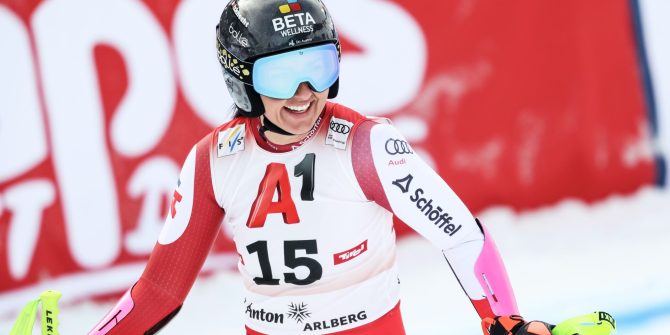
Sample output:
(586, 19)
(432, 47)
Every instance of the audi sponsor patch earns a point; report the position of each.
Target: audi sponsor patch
(394, 146)
(350, 254)
(338, 133)
(231, 140)
(427, 206)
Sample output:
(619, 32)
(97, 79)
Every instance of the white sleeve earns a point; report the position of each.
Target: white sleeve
(418, 195)
(392, 174)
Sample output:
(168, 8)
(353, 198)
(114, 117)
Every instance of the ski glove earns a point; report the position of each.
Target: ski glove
(514, 325)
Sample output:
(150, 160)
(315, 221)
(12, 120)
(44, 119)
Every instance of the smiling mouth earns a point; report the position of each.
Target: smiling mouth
(298, 109)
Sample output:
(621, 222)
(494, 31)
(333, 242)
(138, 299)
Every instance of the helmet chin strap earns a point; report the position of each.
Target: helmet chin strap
(267, 125)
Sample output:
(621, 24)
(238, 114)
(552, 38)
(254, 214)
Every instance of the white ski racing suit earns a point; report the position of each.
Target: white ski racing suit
(313, 225)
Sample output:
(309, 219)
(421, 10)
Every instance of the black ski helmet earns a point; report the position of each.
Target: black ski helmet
(250, 29)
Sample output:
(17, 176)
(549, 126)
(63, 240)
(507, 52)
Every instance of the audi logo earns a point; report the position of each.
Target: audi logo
(339, 128)
(397, 147)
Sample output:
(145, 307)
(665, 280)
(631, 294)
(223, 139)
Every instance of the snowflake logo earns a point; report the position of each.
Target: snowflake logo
(298, 312)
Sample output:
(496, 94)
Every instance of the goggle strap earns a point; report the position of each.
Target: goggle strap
(267, 125)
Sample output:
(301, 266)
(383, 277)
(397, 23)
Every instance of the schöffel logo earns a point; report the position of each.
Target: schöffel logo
(403, 183)
(291, 6)
(339, 127)
(395, 146)
(433, 212)
(231, 141)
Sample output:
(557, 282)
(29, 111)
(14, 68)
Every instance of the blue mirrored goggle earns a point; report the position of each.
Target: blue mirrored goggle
(278, 76)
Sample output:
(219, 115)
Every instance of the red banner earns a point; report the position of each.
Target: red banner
(519, 103)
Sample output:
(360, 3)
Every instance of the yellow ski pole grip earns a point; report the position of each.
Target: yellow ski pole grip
(26, 320)
(50, 312)
(596, 323)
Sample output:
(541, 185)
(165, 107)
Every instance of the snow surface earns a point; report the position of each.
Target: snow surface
(565, 260)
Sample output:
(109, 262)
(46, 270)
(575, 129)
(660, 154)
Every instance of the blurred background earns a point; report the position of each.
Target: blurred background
(551, 119)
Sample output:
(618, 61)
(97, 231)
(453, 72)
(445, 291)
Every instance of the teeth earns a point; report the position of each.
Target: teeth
(299, 108)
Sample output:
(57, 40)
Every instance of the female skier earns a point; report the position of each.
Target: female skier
(309, 189)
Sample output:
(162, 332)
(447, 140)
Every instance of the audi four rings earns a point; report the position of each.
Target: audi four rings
(397, 147)
(339, 128)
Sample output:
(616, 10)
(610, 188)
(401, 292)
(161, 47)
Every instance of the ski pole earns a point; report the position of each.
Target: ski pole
(596, 323)
(49, 316)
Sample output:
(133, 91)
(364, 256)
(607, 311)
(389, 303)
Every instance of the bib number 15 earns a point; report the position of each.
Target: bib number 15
(290, 260)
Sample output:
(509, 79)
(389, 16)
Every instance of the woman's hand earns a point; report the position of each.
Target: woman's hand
(515, 325)
(596, 323)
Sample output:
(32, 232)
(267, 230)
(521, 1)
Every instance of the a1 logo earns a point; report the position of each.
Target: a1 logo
(276, 181)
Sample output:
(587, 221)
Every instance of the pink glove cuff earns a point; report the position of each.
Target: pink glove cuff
(122, 308)
(492, 276)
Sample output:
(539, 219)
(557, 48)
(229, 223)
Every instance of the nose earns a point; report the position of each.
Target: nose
(303, 92)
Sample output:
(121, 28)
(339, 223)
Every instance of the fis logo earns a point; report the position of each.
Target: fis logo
(291, 6)
(231, 141)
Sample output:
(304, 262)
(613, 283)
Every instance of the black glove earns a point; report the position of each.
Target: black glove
(514, 325)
